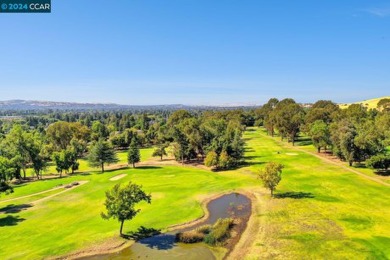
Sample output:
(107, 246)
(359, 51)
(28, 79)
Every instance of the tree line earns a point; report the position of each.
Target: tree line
(355, 134)
(35, 142)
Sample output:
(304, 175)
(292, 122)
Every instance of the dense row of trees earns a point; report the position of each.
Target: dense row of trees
(63, 138)
(355, 134)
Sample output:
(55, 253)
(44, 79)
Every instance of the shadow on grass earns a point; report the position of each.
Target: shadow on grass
(113, 170)
(10, 221)
(303, 141)
(245, 164)
(82, 173)
(251, 157)
(294, 195)
(160, 242)
(249, 150)
(147, 167)
(142, 233)
(12, 208)
(383, 173)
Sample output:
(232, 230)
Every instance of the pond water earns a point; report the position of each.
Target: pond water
(164, 246)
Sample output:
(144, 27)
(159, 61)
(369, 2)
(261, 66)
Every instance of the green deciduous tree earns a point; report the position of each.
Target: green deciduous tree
(120, 202)
(288, 116)
(211, 159)
(6, 173)
(64, 161)
(60, 134)
(102, 153)
(160, 152)
(224, 160)
(320, 135)
(271, 175)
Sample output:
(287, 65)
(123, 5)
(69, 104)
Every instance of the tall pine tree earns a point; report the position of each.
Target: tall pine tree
(133, 155)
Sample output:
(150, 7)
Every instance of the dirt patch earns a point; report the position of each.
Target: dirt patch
(109, 246)
(292, 154)
(249, 232)
(118, 177)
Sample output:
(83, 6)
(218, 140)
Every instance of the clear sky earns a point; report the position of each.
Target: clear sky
(208, 52)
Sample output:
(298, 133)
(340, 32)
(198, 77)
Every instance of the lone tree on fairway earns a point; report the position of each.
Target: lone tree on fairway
(133, 155)
(101, 152)
(120, 202)
(271, 175)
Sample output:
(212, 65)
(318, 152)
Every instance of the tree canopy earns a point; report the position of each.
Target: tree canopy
(121, 201)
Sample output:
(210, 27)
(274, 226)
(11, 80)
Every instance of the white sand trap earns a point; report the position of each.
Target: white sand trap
(118, 177)
(291, 154)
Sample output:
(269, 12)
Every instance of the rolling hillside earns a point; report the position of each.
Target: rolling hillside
(369, 103)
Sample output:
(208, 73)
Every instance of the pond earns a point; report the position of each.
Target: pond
(164, 246)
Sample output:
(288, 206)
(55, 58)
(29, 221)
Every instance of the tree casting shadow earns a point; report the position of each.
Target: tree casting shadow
(294, 195)
(383, 173)
(12, 208)
(10, 221)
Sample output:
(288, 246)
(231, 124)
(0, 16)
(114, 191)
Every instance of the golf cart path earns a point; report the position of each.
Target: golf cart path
(45, 191)
(330, 161)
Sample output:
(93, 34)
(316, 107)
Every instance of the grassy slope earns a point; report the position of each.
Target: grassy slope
(370, 103)
(347, 216)
(341, 214)
(307, 146)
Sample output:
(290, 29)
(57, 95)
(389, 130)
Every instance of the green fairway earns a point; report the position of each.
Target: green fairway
(72, 220)
(322, 211)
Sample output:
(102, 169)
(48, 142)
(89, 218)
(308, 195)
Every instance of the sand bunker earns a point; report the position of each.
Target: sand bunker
(291, 154)
(118, 177)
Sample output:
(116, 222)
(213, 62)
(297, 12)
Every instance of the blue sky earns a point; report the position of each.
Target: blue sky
(197, 51)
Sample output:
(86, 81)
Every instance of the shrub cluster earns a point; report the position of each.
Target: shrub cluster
(211, 235)
(219, 232)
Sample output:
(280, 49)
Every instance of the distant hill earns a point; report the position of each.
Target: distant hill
(27, 105)
(369, 103)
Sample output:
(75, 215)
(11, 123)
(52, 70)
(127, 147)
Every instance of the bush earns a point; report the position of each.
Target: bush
(189, 237)
(220, 231)
(379, 162)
